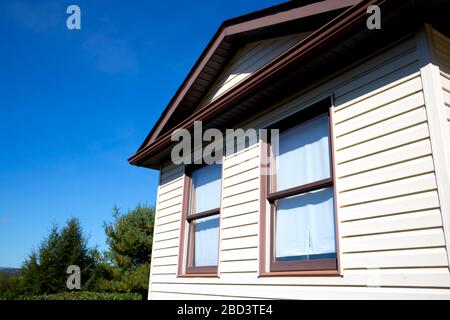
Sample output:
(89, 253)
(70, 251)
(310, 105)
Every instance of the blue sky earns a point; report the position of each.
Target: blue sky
(74, 105)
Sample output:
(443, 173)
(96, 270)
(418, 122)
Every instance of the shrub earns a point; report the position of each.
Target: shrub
(84, 295)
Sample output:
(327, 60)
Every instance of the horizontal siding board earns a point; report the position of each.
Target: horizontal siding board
(241, 208)
(168, 218)
(391, 241)
(393, 140)
(171, 185)
(401, 222)
(241, 230)
(174, 194)
(245, 186)
(241, 220)
(242, 167)
(239, 266)
(446, 95)
(417, 258)
(232, 182)
(304, 292)
(397, 205)
(175, 225)
(170, 203)
(394, 172)
(166, 243)
(240, 254)
(375, 277)
(369, 118)
(445, 84)
(377, 86)
(164, 252)
(400, 89)
(165, 261)
(383, 128)
(163, 212)
(392, 156)
(239, 157)
(243, 242)
(167, 235)
(391, 189)
(353, 75)
(384, 75)
(240, 198)
(166, 270)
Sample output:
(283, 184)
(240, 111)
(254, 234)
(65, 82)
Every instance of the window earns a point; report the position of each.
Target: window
(201, 216)
(300, 192)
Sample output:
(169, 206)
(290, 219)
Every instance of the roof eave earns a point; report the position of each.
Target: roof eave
(344, 23)
(271, 16)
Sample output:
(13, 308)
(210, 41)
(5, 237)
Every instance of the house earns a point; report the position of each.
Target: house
(349, 198)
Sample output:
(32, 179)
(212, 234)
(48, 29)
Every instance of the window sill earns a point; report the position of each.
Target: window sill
(300, 273)
(198, 275)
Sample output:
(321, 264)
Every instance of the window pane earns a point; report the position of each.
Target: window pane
(207, 187)
(305, 226)
(303, 154)
(206, 242)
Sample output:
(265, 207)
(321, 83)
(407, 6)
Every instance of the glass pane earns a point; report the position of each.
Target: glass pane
(303, 154)
(305, 226)
(207, 187)
(206, 241)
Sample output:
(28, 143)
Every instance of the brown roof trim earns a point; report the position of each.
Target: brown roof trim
(337, 27)
(297, 13)
(181, 92)
(260, 19)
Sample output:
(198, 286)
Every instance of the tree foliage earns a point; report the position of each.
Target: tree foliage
(44, 272)
(130, 238)
(122, 272)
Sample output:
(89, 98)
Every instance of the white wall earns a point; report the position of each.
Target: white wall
(392, 242)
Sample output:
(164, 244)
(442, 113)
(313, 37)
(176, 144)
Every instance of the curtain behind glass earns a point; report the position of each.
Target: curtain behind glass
(305, 224)
(206, 242)
(207, 187)
(303, 154)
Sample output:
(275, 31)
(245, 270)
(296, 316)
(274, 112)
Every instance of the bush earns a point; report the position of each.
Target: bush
(129, 237)
(84, 295)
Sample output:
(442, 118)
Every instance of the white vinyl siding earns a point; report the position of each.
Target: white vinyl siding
(391, 240)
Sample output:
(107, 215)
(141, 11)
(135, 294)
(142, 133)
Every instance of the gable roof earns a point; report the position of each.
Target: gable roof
(328, 20)
(231, 35)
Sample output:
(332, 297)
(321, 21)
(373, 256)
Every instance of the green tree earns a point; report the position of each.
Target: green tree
(44, 272)
(130, 238)
(5, 284)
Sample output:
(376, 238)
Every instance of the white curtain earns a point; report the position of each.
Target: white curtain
(206, 243)
(303, 154)
(207, 187)
(305, 224)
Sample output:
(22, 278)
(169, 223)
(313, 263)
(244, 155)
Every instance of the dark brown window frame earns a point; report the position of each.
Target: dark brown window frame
(186, 250)
(304, 267)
